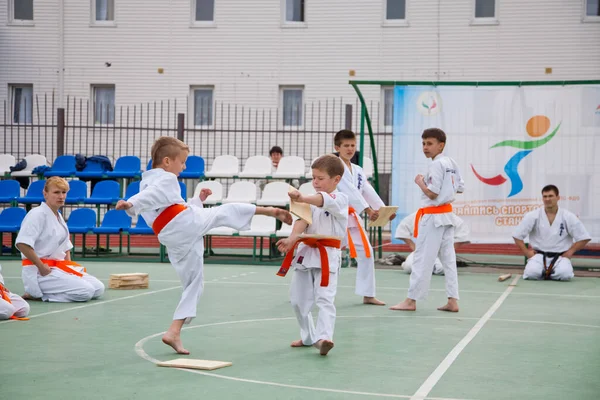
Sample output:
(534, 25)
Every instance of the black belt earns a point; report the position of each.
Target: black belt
(550, 268)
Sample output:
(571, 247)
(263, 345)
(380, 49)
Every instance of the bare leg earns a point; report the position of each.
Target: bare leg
(281, 214)
(406, 305)
(324, 346)
(172, 337)
(451, 306)
(373, 300)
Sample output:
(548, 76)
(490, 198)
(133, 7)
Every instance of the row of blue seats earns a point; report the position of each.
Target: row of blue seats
(105, 192)
(125, 167)
(82, 220)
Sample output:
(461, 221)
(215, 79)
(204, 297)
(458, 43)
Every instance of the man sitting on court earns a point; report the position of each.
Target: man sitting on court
(555, 235)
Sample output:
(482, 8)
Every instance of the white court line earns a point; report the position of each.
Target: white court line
(434, 378)
(545, 322)
(139, 349)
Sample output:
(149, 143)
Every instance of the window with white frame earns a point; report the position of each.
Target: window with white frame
(203, 105)
(592, 9)
(294, 10)
(204, 10)
(22, 103)
(395, 10)
(388, 106)
(21, 11)
(103, 12)
(485, 9)
(292, 105)
(103, 97)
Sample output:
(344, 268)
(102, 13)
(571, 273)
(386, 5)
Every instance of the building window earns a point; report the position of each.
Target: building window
(104, 104)
(22, 103)
(203, 105)
(294, 11)
(21, 11)
(395, 10)
(103, 11)
(485, 8)
(388, 107)
(592, 10)
(291, 103)
(204, 10)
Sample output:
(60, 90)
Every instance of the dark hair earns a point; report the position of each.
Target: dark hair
(344, 134)
(330, 164)
(435, 133)
(550, 188)
(276, 149)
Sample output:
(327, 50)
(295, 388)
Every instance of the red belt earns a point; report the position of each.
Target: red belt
(6, 297)
(443, 209)
(63, 265)
(363, 235)
(166, 216)
(315, 244)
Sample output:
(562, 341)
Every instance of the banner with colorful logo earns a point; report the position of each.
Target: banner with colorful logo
(509, 143)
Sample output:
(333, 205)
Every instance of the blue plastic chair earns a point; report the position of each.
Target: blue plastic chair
(82, 220)
(194, 168)
(11, 218)
(63, 166)
(149, 166)
(35, 193)
(141, 228)
(115, 221)
(183, 190)
(77, 192)
(9, 191)
(92, 170)
(105, 192)
(126, 167)
(132, 189)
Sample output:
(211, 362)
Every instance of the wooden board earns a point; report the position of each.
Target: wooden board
(191, 363)
(138, 280)
(504, 277)
(300, 210)
(385, 213)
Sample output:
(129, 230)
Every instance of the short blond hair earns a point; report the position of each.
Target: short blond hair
(166, 146)
(330, 164)
(57, 181)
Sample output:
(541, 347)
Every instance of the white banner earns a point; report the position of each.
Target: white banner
(509, 143)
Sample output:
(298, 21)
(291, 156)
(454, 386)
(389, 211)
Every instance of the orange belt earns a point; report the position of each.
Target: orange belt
(6, 297)
(63, 265)
(363, 235)
(443, 209)
(166, 216)
(314, 243)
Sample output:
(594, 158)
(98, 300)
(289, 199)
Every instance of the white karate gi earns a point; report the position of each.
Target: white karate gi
(361, 195)
(436, 231)
(405, 230)
(556, 238)
(48, 235)
(17, 306)
(183, 236)
(306, 289)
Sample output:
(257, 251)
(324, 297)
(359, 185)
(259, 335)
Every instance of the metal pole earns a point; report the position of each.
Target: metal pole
(180, 125)
(348, 124)
(60, 131)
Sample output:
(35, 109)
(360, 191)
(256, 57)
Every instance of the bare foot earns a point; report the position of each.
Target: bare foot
(175, 342)
(406, 305)
(283, 215)
(27, 296)
(452, 306)
(324, 346)
(297, 343)
(373, 300)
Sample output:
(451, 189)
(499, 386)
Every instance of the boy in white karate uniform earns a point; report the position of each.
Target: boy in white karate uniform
(43, 240)
(405, 231)
(317, 261)
(434, 224)
(181, 226)
(555, 235)
(361, 197)
(12, 306)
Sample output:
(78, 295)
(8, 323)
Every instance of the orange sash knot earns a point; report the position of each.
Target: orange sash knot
(4, 294)
(166, 216)
(443, 209)
(363, 235)
(315, 244)
(63, 265)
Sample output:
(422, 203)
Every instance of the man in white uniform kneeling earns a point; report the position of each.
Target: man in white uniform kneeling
(43, 240)
(555, 235)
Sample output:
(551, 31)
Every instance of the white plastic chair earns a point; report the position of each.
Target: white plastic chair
(222, 231)
(33, 161)
(307, 188)
(241, 192)
(275, 194)
(225, 166)
(217, 192)
(290, 167)
(261, 225)
(6, 161)
(309, 172)
(368, 167)
(257, 167)
(286, 230)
